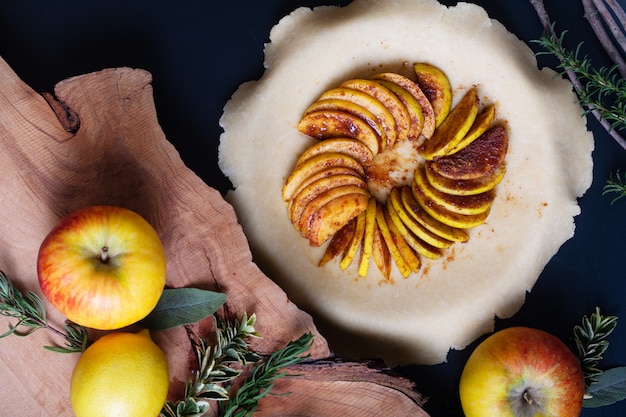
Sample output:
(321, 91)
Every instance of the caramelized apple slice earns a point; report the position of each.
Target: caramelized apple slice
(350, 108)
(308, 193)
(483, 121)
(327, 124)
(339, 242)
(412, 106)
(462, 221)
(408, 253)
(413, 225)
(352, 147)
(355, 242)
(324, 172)
(428, 114)
(465, 187)
(334, 215)
(414, 242)
(368, 237)
(436, 87)
(303, 223)
(388, 99)
(417, 212)
(478, 159)
(453, 128)
(403, 267)
(381, 253)
(384, 117)
(316, 164)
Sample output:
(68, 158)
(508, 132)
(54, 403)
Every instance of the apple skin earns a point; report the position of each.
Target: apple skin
(520, 360)
(102, 294)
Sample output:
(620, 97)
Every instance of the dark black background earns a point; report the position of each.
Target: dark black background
(200, 51)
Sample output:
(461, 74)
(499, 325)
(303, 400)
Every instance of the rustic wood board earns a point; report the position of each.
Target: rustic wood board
(98, 141)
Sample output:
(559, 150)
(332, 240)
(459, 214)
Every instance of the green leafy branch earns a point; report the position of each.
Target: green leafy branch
(222, 363)
(28, 309)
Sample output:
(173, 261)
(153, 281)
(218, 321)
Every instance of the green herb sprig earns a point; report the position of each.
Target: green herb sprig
(589, 343)
(28, 309)
(220, 364)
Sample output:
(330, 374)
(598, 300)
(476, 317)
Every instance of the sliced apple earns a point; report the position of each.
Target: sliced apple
(384, 117)
(465, 187)
(355, 242)
(412, 106)
(368, 237)
(352, 108)
(339, 242)
(478, 159)
(325, 172)
(408, 253)
(403, 267)
(413, 241)
(428, 114)
(316, 164)
(381, 253)
(303, 223)
(308, 193)
(461, 204)
(462, 221)
(413, 225)
(352, 147)
(483, 121)
(418, 213)
(334, 215)
(388, 99)
(327, 124)
(454, 127)
(436, 87)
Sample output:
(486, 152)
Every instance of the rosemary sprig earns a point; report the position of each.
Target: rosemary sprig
(617, 185)
(589, 343)
(600, 90)
(30, 313)
(216, 371)
(215, 367)
(261, 381)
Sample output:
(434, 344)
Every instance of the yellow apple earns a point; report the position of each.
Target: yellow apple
(483, 121)
(103, 267)
(332, 216)
(522, 372)
(355, 242)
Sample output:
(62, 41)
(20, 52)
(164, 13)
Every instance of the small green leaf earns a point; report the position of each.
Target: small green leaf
(610, 388)
(180, 306)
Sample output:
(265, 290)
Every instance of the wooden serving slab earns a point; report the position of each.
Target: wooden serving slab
(97, 140)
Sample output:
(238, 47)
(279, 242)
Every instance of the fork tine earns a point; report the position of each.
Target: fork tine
(600, 18)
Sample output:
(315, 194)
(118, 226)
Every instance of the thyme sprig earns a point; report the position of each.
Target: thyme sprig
(29, 311)
(589, 343)
(219, 365)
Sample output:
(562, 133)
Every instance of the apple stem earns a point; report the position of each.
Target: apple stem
(528, 398)
(104, 254)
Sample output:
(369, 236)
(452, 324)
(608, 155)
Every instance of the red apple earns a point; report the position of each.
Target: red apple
(522, 372)
(103, 267)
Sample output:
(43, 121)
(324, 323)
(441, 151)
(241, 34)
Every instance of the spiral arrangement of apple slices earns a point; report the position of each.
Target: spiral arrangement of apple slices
(461, 150)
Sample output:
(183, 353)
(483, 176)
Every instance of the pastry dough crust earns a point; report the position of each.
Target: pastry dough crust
(453, 300)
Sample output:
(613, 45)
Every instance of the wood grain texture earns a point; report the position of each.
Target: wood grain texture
(97, 140)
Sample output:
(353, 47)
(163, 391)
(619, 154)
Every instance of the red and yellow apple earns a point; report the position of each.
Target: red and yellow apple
(103, 267)
(522, 372)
